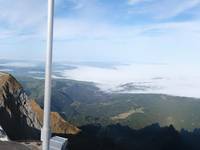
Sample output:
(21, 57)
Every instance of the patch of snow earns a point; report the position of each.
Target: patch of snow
(3, 136)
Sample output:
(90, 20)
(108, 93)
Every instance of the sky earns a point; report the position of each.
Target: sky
(156, 31)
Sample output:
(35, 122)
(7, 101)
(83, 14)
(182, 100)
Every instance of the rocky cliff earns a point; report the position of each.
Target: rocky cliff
(21, 118)
(16, 116)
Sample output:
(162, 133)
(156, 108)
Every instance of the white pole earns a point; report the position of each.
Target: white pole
(48, 70)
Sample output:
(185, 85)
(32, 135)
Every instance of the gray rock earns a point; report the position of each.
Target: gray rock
(16, 116)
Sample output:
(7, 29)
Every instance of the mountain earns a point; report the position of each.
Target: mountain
(17, 118)
(20, 117)
(118, 137)
(83, 103)
(58, 124)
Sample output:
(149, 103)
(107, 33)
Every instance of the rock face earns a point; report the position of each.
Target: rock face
(16, 115)
(58, 124)
(22, 118)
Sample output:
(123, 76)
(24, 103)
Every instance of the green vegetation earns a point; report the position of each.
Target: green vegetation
(83, 103)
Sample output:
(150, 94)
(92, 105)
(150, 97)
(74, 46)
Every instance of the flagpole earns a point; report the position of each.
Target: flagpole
(46, 130)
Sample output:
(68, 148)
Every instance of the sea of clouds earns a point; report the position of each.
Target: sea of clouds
(179, 79)
(18, 64)
(172, 79)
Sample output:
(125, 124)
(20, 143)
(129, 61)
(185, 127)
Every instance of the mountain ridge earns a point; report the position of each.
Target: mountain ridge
(58, 124)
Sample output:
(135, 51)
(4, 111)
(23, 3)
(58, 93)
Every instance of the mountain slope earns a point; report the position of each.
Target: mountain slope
(82, 103)
(16, 116)
(21, 118)
(58, 124)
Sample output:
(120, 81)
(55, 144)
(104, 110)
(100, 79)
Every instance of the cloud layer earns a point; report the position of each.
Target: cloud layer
(179, 80)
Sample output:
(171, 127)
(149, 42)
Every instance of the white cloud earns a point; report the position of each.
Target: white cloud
(174, 7)
(90, 28)
(23, 18)
(18, 64)
(78, 4)
(163, 9)
(84, 30)
(22, 13)
(5, 70)
(66, 29)
(153, 42)
(27, 19)
(133, 2)
(180, 80)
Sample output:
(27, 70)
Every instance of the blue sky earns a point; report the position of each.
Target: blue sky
(163, 31)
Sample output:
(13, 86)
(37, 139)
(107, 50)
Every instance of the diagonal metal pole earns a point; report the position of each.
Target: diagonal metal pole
(46, 132)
